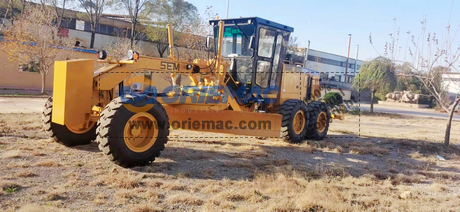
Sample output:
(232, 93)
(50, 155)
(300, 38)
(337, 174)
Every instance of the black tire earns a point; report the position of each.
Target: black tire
(61, 133)
(110, 130)
(315, 109)
(289, 109)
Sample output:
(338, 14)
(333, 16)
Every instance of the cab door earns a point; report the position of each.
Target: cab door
(264, 59)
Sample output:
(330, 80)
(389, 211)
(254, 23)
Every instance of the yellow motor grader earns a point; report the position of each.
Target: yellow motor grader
(246, 89)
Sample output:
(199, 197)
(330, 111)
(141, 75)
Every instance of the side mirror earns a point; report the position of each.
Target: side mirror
(208, 42)
(252, 43)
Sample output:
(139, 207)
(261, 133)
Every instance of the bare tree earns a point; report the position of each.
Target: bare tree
(432, 60)
(178, 13)
(11, 6)
(119, 46)
(94, 9)
(293, 42)
(59, 7)
(136, 9)
(33, 39)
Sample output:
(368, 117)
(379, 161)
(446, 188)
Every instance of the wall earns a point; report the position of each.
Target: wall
(15, 79)
(101, 41)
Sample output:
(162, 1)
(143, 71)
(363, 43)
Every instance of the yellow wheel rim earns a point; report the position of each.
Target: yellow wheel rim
(80, 130)
(299, 122)
(321, 123)
(140, 132)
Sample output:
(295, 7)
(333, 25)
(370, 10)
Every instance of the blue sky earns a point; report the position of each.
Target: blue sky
(327, 23)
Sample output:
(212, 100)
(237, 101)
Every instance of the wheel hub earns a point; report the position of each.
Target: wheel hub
(140, 132)
(321, 123)
(299, 122)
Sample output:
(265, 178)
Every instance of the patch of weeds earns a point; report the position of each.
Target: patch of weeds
(53, 196)
(261, 196)
(11, 188)
(184, 174)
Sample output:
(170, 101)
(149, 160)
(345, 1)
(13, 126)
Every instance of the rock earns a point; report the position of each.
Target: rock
(405, 195)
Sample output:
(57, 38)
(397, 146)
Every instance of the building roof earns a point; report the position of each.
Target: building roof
(255, 20)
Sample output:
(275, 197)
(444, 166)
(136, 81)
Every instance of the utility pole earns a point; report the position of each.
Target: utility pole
(228, 1)
(306, 55)
(348, 57)
(356, 59)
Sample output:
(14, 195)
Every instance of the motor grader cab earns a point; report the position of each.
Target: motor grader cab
(245, 89)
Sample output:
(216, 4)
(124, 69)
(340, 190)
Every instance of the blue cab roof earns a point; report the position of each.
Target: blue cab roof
(255, 20)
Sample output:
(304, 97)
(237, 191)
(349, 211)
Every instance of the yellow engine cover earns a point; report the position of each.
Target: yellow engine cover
(72, 91)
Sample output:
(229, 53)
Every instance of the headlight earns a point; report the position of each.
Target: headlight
(133, 55)
(102, 55)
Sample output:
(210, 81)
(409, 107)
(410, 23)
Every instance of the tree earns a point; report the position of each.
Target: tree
(12, 8)
(431, 61)
(59, 9)
(179, 13)
(33, 38)
(136, 10)
(119, 46)
(376, 75)
(93, 9)
(293, 42)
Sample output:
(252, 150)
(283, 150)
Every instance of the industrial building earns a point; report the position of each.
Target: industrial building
(331, 67)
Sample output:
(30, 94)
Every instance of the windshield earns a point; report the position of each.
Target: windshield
(236, 39)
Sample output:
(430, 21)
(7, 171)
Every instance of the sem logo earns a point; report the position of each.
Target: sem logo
(169, 66)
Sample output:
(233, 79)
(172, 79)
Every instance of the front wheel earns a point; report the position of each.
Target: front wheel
(132, 138)
(65, 134)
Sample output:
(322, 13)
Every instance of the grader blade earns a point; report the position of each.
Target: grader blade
(226, 121)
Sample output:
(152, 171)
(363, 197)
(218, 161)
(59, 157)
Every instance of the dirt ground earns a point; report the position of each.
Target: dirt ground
(381, 162)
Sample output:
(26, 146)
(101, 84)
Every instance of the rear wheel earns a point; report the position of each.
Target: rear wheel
(67, 134)
(129, 138)
(295, 120)
(319, 120)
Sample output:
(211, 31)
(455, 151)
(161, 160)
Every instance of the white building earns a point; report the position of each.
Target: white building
(451, 82)
(333, 67)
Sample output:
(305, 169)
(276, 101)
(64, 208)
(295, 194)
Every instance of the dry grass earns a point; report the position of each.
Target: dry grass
(124, 180)
(39, 208)
(174, 186)
(100, 199)
(146, 207)
(382, 171)
(368, 148)
(401, 178)
(12, 154)
(47, 163)
(26, 173)
(55, 195)
(415, 155)
(184, 199)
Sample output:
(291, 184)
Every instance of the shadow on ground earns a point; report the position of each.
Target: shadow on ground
(382, 157)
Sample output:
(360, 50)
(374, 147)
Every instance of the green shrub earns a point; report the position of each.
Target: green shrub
(333, 99)
(379, 97)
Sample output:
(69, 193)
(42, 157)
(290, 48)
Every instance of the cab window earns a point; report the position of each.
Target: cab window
(235, 39)
(263, 73)
(266, 42)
